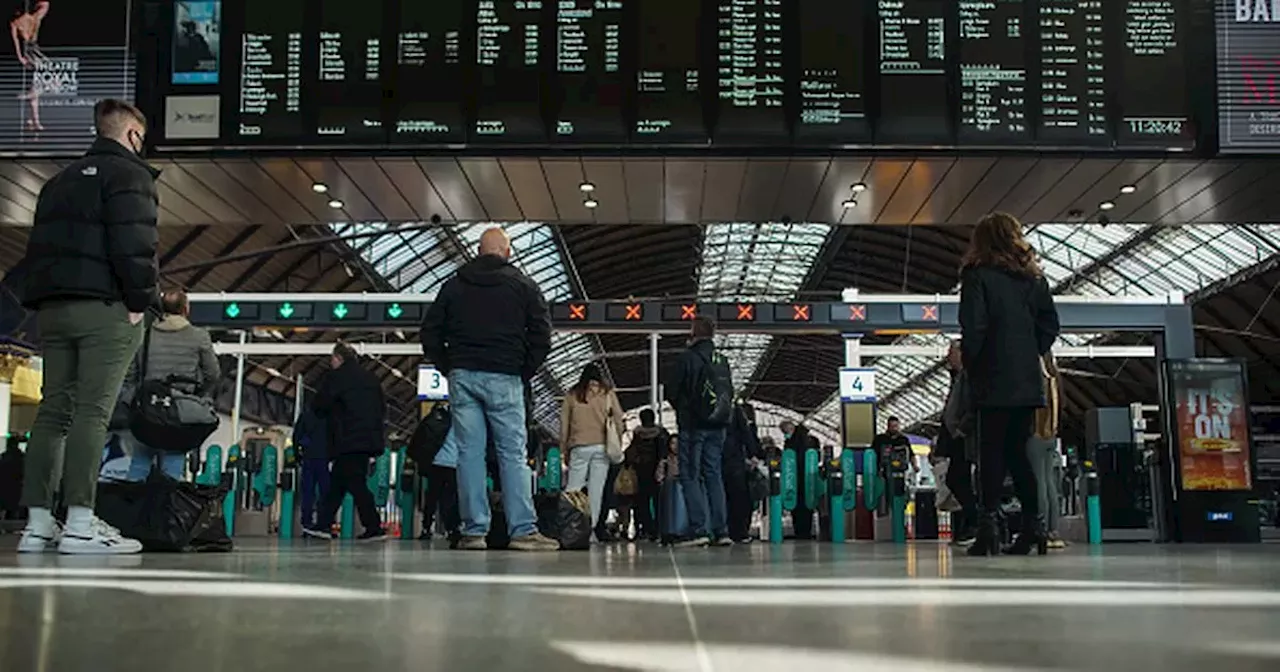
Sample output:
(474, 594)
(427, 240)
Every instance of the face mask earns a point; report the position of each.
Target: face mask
(136, 142)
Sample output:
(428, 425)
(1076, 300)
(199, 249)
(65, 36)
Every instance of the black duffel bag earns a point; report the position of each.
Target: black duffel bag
(164, 514)
(167, 418)
(429, 437)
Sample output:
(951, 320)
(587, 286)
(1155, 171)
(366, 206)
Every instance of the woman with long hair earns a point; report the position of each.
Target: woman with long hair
(584, 419)
(1008, 322)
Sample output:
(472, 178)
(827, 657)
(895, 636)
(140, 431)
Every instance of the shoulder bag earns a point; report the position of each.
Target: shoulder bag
(164, 415)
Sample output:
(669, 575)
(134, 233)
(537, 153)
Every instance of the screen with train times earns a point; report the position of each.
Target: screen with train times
(1051, 74)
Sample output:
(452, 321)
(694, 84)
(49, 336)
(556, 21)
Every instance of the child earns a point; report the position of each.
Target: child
(673, 517)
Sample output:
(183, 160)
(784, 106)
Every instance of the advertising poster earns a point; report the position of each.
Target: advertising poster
(1212, 425)
(64, 57)
(197, 34)
(1249, 75)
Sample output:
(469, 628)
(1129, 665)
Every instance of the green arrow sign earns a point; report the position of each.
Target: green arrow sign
(232, 310)
(340, 311)
(394, 311)
(286, 310)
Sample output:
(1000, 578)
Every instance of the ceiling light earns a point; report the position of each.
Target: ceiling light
(275, 372)
(587, 187)
(1128, 189)
(591, 203)
(849, 204)
(320, 187)
(1106, 205)
(335, 204)
(859, 187)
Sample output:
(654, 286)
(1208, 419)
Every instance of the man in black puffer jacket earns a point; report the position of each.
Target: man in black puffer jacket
(351, 401)
(90, 274)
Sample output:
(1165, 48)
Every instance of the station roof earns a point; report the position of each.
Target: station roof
(725, 230)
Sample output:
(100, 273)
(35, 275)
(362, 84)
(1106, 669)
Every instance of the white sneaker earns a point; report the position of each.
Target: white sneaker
(37, 541)
(101, 540)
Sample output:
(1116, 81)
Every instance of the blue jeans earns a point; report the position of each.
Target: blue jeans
(482, 401)
(448, 454)
(315, 487)
(174, 465)
(701, 453)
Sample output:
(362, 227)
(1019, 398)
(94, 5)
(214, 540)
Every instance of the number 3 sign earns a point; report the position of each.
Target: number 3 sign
(432, 385)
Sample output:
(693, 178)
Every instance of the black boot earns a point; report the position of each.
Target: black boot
(988, 541)
(1033, 536)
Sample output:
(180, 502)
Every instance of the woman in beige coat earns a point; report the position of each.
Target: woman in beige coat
(583, 422)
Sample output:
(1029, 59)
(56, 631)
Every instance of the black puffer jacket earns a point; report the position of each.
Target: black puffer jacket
(94, 235)
(350, 400)
(1007, 321)
(489, 317)
(683, 379)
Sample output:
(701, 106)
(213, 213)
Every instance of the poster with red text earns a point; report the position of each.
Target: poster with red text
(1212, 425)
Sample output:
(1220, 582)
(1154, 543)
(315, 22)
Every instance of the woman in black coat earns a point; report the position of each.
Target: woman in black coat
(1008, 320)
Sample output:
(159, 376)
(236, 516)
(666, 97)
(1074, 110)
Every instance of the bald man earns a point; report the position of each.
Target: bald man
(489, 332)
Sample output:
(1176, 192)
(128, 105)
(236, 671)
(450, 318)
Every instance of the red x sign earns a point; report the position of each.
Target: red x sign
(577, 311)
(633, 312)
(800, 312)
(858, 313)
(929, 313)
(689, 312)
(746, 313)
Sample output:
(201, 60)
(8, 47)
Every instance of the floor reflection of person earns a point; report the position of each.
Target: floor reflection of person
(25, 30)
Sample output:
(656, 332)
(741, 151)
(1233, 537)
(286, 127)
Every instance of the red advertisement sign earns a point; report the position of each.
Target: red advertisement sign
(1212, 425)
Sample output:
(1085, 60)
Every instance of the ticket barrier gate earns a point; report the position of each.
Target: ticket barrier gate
(839, 474)
(210, 472)
(868, 489)
(1093, 501)
(378, 481)
(783, 491)
(288, 487)
(406, 497)
(234, 481)
(265, 470)
(552, 467)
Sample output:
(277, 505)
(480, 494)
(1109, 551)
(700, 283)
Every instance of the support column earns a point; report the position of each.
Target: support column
(655, 397)
(1178, 341)
(239, 393)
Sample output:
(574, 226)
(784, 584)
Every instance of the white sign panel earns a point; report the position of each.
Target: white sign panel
(432, 385)
(857, 384)
(192, 117)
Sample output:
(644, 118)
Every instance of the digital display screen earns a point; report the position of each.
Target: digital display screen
(1248, 76)
(833, 104)
(993, 72)
(67, 55)
(429, 53)
(1211, 411)
(509, 61)
(913, 71)
(1154, 98)
(679, 312)
(668, 97)
(589, 71)
(624, 312)
(750, 71)
(197, 41)
(270, 96)
(348, 89)
(1073, 76)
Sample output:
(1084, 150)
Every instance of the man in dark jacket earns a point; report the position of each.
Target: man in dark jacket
(489, 331)
(90, 274)
(701, 444)
(311, 441)
(957, 443)
(796, 439)
(648, 445)
(350, 400)
(741, 444)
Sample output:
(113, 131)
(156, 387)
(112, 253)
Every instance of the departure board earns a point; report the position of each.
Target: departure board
(993, 72)
(1153, 99)
(1073, 77)
(271, 74)
(750, 72)
(833, 102)
(509, 61)
(668, 94)
(913, 71)
(589, 70)
(348, 89)
(429, 53)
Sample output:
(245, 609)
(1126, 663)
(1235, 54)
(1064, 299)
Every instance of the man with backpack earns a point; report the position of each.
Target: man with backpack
(700, 390)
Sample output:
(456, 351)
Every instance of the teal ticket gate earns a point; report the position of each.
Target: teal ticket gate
(784, 489)
(234, 482)
(211, 471)
(265, 477)
(813, 484)
(868, 492)
(1092, 503)
(841, 478)
(549, 480)
(288, 490)
(406, 497)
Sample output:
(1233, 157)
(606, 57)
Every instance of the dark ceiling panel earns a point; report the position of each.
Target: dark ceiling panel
(1106, 188)
(1154, 185)
(565, 177)
(644, 190)
(412, 183)
(224, 187)
(368, 176)
(210, 203)
(1032, 186)
(19, 185)
(682, 190)
(761, 189)
(800, 188)
(1243, 177)
(953, 189)
(357, 206)
(297, 183)
(999, 181)
(722, 189)
(1195, 179)
(1081, 178)
(451, 185)
(917, 185)
(611, 189)
(256, 180)
(530, 188)
(490, 185)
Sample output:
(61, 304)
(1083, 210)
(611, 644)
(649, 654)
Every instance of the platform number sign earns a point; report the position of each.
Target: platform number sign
(857, 384)
(432, 385)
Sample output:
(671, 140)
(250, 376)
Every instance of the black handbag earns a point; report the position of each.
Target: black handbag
(164, 514)
(165, 416)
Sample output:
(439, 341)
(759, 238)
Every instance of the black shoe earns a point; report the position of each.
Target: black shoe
(1034, 537)
(375, 534)
(987, 541)
(317, 533)
(425, 536)
(964, 537)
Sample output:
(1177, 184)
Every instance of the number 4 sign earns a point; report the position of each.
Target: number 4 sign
(432, 385)
(857, 384)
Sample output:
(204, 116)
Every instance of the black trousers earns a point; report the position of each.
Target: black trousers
(1002, 441)
(441, 497)
(349, 475)
(737, 503)
(960, 482)
(646, 502)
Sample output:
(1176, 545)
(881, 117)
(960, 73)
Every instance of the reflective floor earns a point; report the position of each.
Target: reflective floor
(405, 606)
